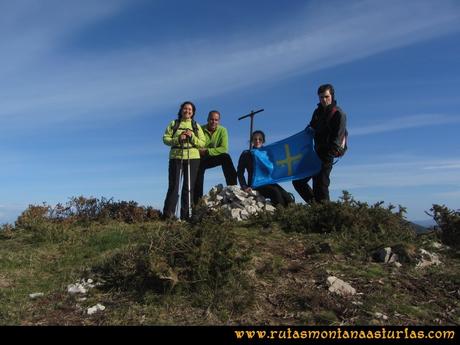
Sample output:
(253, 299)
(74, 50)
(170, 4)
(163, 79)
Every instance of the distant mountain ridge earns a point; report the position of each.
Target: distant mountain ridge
(423, 225)
(426, 222)
(418, 228)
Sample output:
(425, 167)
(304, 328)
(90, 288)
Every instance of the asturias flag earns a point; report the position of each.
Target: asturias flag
(289, 159)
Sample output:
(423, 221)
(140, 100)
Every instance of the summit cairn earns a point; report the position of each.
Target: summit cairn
(236, 202)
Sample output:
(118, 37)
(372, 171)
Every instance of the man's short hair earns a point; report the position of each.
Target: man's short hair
(212, 112)
(323, 88)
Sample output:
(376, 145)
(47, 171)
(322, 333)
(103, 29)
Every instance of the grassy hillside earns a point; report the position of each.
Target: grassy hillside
(270, 270)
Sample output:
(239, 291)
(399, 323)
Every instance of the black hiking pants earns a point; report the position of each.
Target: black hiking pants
(172, 196)
(321, 182)
(276, 194)
(209, 162)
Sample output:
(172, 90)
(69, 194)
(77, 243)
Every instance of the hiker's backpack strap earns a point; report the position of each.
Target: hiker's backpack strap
(177, 124)
(195, 127)
(175, 127)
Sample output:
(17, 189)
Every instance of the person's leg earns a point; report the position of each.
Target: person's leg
(173, 188)
(228, 169)
(207, 162)
(285, 196)
(301, 186)
(322, 181)
(198, 193)
(194, 166)
(271, 192)
(279, 195)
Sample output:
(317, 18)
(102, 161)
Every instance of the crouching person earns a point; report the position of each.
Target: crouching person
(215, 153)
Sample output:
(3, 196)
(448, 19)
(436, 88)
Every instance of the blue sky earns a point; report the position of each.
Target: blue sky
(88, 87)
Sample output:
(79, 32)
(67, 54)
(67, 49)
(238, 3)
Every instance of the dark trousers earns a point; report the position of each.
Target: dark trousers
(172, 196)
(321, 182)
(276, 194)
(209, 162)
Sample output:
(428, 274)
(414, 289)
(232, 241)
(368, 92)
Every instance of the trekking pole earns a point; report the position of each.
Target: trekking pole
(180, 178)
(188, 181)
(251, 114)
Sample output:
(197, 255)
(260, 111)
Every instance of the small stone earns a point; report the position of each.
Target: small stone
(76, 288)
(269, 208)
(95, 309)
(381, 316)
(340, 287)
(36, 295)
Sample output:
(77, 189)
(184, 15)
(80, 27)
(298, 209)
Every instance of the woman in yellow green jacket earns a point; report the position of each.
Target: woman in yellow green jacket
(185, 137)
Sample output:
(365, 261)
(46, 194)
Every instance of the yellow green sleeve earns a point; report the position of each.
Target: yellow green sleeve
(168, 138)
(222, 144)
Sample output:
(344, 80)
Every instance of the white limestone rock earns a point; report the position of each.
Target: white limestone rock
(94, 309)
(340, 287)
(426, 259)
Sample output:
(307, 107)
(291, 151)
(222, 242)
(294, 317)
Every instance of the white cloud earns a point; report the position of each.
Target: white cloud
(444, 166)
(53, 86)
(411, 173)
(454, 195)
(404, 122)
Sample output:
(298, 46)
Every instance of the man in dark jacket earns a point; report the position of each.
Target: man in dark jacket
(329, 124)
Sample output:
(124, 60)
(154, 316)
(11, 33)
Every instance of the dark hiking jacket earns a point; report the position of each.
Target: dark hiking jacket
(330, 126)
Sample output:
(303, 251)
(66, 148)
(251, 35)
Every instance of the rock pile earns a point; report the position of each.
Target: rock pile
(422, 257)
(236, 202)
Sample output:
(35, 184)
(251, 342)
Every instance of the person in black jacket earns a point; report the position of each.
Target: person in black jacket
(274, 192)
(329, 124)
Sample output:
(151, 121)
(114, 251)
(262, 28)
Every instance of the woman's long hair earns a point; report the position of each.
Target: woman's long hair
(179, 114)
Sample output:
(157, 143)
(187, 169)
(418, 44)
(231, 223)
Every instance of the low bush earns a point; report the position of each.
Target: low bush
(83, 210)
(356, 225)
(449, 223)
(202, 260)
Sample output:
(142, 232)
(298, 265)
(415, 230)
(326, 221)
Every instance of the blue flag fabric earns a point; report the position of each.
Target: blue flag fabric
(289, 159)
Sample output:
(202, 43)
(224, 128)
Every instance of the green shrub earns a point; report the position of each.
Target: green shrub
(83, 210)
(355, 225)
(6, 231)
(37, 221)
(201, 260)
(33, 216)
(449, 224)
